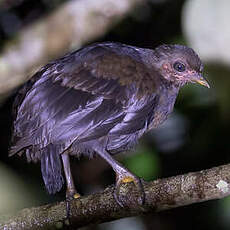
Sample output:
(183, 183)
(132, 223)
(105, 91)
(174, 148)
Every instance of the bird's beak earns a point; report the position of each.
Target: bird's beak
(198, 78)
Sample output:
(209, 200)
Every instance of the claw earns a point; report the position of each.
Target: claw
(71, 192)
(76, 196)
(70, 195)
(122, 198)
(127, 179)
(124, 177)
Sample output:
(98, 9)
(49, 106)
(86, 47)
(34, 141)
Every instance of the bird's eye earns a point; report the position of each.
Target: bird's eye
(178, 66)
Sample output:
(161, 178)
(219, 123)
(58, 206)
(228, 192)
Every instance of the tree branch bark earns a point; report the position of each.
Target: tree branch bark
(161, 194)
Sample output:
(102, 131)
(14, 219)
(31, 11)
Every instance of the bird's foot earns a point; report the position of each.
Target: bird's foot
(70, 196)
(125, 193)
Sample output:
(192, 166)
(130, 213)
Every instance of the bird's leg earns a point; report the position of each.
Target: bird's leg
(71, 192)
(123, 175)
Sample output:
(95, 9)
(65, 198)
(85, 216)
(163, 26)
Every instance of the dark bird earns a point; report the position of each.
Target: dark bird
(98, 100)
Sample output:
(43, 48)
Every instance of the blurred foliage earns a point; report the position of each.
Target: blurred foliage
(16, 14)
(200, 124)
(144, 163)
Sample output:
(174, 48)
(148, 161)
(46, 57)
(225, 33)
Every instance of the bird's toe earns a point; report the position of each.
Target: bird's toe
(129, 191)
(70, 196)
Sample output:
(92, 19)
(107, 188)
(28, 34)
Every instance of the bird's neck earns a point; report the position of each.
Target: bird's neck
(170, 85)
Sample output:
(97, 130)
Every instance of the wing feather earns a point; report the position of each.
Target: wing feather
(82, 96)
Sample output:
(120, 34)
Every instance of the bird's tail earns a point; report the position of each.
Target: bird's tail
(51, 168)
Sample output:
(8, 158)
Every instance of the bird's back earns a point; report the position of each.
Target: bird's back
(86, 95)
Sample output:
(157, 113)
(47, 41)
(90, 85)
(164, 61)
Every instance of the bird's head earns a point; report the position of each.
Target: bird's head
(180, 65)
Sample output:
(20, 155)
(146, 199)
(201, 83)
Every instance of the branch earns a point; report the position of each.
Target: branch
(161, 194)
(73, 24)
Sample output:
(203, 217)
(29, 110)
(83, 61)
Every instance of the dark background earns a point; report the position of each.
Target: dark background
(195, 137)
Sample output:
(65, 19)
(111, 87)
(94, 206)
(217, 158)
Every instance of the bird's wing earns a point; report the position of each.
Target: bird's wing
(102, 69)
(76, 94)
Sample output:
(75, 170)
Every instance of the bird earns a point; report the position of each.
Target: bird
(98, 100)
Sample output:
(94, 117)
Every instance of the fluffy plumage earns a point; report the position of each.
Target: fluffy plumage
(99, 99)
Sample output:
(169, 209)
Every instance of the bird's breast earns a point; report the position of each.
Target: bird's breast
(164, 106)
